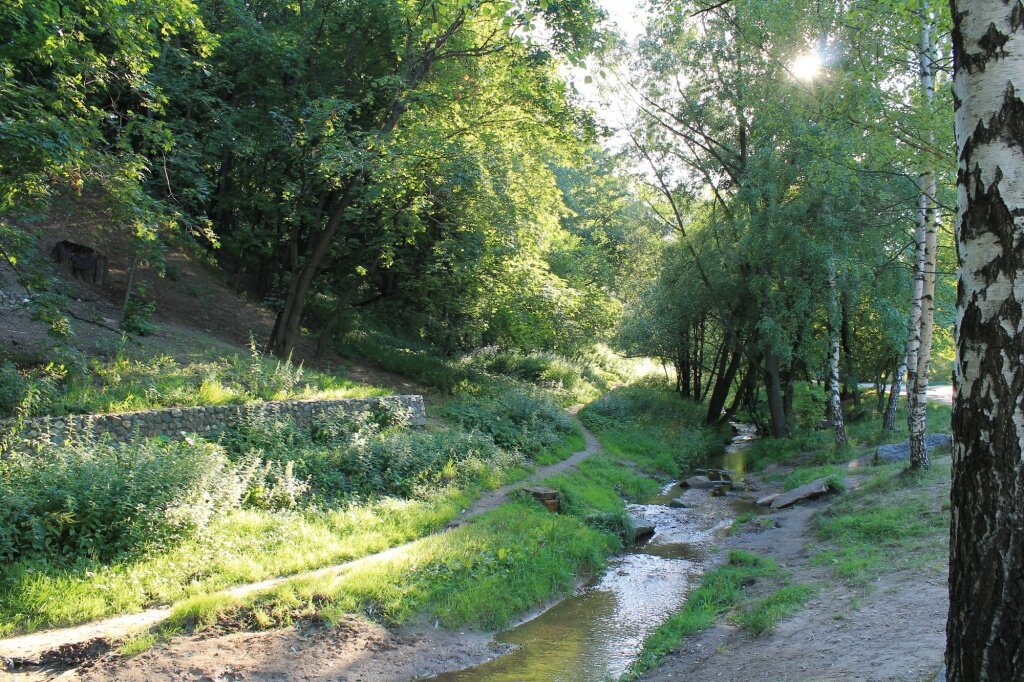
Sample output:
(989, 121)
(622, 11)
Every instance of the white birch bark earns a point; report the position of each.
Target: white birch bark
(835, 404)
(985, 628)
(924, 279)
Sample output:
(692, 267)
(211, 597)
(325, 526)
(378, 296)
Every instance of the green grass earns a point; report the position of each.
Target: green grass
(599, 485)
(482, 574)
(803, 475)
(720, 590)
(764, 614)
(131, 382)
(895, 520)
(244, 546)
(653, 428)
(136, 644)
(571, 381)
(818, 446)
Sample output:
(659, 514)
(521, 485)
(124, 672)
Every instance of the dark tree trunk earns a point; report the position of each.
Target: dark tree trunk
(773, 390)
(985, 628)
(726, 375)
(743, 395)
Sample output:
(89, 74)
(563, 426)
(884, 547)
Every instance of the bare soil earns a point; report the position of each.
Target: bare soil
(892, 630)
(355, 649)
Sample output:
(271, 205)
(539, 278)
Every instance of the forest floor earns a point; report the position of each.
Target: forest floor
(877, 613)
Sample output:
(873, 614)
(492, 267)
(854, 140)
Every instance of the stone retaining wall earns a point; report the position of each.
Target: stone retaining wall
(174, 421)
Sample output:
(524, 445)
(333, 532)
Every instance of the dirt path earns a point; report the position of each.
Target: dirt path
(498, 497)
(35, 645)
(892, 630)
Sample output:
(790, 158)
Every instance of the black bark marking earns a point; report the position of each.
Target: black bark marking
(988, 214)
(1007, 124)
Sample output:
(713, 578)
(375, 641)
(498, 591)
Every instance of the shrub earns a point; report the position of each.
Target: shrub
(12, 388)
(519, 419)
(98, 500)
(271, 381)
(345, 456)
(138, 313)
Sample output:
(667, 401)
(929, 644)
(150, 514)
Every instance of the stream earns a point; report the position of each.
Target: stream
(597, 633)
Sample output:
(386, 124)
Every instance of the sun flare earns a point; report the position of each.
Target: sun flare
(806, 67)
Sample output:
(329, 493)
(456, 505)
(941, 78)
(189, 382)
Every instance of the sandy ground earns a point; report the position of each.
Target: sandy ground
(354, 650)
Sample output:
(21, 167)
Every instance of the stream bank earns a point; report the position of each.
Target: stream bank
(601, 627)
(598, 633)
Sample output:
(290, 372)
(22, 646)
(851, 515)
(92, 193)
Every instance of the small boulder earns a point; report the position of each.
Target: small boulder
(719, 491)
(549, 497)
(808, 491)
(642, 532)
(898, 452)
(699, 482)
(767, 500)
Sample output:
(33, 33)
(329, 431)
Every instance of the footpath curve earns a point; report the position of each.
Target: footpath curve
(32, 646)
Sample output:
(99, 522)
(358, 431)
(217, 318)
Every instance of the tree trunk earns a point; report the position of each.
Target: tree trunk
(984, 639)
(723, 383)
(773, 390)
(889, 422)
(128, 289)
(835, 402)
(918, 388)
(327, 333)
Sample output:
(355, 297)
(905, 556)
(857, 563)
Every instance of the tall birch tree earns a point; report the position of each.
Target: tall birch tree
(922, 316)
(985, 628)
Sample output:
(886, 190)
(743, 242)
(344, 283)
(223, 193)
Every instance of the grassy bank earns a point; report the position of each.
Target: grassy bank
(95, 529)
(133, 380)
(897, 519)
(722, 590)
(570, 380)
(889, 520)
(482, 575)
(650, 426)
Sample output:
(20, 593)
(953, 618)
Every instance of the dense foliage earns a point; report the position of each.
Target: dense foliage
(418, 163)
(790, 190)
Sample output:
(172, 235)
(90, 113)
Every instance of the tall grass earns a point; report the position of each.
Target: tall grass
(654, 428)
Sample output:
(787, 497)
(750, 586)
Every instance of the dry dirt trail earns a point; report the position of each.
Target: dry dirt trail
(33, 646)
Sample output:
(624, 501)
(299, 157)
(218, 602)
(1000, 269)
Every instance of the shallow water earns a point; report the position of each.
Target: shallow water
(735, 457)
(598, 633)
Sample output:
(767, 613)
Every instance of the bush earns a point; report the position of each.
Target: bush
(271, 382)
(138, 314)
(12, 388)
(98, 500)
(368, 454)
(518, 419)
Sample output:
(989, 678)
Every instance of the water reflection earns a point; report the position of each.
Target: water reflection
(598, 633)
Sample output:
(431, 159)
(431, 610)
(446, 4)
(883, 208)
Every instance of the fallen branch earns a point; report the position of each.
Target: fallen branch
(98, 324)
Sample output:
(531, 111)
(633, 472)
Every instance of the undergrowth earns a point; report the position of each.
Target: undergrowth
(653, 428)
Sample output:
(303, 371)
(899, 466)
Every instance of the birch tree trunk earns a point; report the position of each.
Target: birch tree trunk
(835, 402)
(889, 422)
(985, 629)
(924, 280)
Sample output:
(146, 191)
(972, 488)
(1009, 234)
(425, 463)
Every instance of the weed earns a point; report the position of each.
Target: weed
(720, 589)
(764, 614)
(136, 644)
